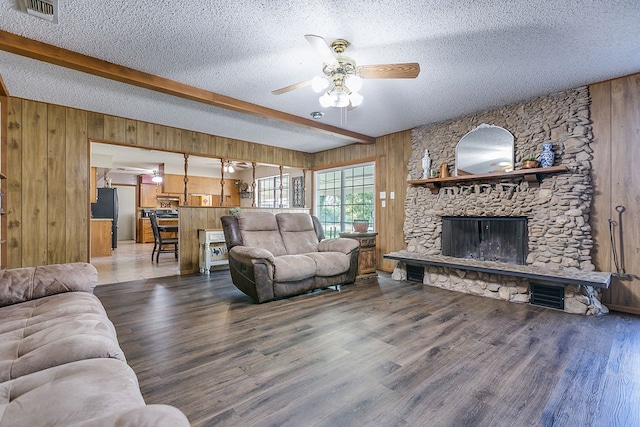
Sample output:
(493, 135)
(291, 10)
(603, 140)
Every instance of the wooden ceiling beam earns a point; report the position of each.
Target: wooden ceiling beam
(3, 88)
(65, 58)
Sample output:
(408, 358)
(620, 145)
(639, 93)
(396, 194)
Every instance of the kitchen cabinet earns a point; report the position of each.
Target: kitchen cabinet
(203, 185)
(202, 200)
(148, 197)
(203, 191)
(228, 201)
(145, 232)
(100, 237)
(173, 184)
(233, 196)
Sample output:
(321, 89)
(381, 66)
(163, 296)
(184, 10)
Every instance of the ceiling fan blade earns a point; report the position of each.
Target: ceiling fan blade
(321, 46)
(408, 70)
(291, 87)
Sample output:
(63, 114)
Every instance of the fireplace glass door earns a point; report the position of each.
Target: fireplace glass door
(502, 239)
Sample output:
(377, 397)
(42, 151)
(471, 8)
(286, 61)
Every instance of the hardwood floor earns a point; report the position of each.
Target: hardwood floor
(385, 353)
(132, 261)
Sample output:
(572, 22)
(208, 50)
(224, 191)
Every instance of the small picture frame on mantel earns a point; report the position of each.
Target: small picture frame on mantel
(297, 197)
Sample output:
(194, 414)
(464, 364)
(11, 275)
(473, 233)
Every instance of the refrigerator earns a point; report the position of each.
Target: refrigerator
(107, 207)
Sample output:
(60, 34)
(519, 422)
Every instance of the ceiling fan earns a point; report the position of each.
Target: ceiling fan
(342, 78)
(231, 166)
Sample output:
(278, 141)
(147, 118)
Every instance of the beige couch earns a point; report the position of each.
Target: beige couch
(60, 362)
(277, 256)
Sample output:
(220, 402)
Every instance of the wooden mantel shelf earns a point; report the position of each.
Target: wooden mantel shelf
(532, 176)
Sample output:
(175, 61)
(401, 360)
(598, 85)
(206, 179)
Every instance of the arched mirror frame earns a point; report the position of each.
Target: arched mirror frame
(485, 149)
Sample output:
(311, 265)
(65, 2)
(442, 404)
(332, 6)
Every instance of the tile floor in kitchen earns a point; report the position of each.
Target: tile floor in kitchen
(132, 261)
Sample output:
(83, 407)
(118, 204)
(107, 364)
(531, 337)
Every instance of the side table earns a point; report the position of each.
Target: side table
(213, 250)
(367, 259)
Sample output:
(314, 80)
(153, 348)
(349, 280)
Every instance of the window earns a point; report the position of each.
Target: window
(268, 190)
(344, 195)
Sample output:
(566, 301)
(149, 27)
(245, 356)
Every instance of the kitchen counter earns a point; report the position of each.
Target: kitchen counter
(100, 237)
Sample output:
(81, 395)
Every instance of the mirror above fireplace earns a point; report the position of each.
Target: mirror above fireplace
(486, 149)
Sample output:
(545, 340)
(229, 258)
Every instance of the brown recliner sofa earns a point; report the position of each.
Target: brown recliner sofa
(60, 361)
(278, 256)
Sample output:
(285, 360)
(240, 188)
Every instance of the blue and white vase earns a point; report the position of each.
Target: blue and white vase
(547, 156)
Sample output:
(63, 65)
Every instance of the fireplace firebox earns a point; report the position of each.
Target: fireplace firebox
(502, 239)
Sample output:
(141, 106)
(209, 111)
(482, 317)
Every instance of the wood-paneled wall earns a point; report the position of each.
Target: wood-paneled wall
(48, 172)
(47, 194)
(615, 113)
(391, 153)
(4, 108)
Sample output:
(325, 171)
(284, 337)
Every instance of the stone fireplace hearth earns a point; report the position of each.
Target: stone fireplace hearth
(558, 234)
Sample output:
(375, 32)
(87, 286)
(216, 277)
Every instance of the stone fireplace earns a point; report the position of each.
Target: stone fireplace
(553, 218)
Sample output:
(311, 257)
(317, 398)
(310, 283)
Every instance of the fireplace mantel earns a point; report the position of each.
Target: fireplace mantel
(533, 176)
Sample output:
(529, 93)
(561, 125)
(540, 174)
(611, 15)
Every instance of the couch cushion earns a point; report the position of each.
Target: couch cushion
(297, 232)
(290, 268)
(330, 263)
(104, 390)
(23, 284)
(53, 308)
(260, 229)
(59, 329)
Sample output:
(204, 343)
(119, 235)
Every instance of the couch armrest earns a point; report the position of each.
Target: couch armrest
(340, 244)
(24, 284)
(251, 255)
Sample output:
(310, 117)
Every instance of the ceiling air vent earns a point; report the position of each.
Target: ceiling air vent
(43, 9)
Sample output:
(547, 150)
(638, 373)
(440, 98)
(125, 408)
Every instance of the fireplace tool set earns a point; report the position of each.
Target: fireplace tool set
(618, 261)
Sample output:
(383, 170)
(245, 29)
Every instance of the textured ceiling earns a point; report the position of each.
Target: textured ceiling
(473, 55)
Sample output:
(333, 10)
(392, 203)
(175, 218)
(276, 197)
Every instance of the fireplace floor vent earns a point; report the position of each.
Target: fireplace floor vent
(546, 296)
(415, 273)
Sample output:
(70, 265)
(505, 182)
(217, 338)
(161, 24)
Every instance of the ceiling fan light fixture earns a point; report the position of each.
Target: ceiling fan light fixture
(228, 167)
(335, 98)
(353, 82)
(318, 84)
(156, 178)
(325, 100)
(340, 99)
(355, 98)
